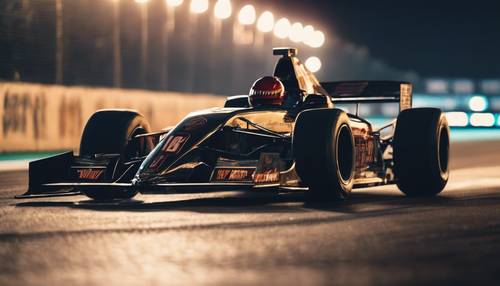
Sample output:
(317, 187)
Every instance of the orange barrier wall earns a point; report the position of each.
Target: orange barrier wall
(36, 117)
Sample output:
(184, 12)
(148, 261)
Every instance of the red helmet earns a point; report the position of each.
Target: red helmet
(267, 90)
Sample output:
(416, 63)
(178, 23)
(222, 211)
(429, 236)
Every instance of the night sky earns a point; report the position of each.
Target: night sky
(434, 38)
(408, 40)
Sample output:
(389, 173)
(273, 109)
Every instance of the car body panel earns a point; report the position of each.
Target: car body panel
(247, 147)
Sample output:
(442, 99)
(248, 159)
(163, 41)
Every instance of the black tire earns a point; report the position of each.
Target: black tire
(421, 151)
(323, 147)
(110, 132)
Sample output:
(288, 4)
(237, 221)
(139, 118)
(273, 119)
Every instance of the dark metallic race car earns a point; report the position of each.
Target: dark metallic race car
(286, 135)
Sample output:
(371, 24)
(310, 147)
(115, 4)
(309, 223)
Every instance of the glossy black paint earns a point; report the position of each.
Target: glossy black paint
(190, 152)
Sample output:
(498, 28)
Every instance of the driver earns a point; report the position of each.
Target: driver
(270, 91)
(267, 91)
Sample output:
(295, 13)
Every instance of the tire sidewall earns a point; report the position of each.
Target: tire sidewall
(315, 148)
(417, 155)
(341, 124)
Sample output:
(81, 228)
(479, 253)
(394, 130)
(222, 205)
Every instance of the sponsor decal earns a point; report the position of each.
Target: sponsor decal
(233, 174)
(89, 174)
(194, 123)
(268, 169)
(269, 176)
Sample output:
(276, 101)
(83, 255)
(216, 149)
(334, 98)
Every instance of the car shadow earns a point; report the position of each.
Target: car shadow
(267, 202)
(365, 204)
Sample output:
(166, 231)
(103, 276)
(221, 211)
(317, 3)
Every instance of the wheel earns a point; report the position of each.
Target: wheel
(111, 132)
(323, 147)
(421, 151)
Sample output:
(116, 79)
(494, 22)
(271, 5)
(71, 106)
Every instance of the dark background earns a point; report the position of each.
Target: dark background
(398, 40)
(435, 38)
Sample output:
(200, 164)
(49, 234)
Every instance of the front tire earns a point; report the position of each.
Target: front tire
(421, 151)
(112, 132)
(323, 147)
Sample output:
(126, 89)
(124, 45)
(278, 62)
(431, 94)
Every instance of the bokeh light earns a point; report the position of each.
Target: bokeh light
(199, 6)
(317, 39)
(282, 28)
(222, 9)
(296, 32)
(478, 103)
(142, 1)
(308, 35)
(482, 119)
(457, 118)
(247, 15)
(174, 3)
(313, 64)
(266, 22)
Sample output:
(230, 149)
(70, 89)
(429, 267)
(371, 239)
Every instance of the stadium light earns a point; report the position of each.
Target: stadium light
(313, 64)
(478, 103)
(296, 33)
(308, 35)
(457, 118)
(317, 39)
(247, 15)
(199, 6)
(222, 9)
(174, 3)
(141, 1)
(282, 28)
(482, 119)
(265, 23)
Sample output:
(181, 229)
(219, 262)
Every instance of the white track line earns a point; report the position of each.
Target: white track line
(14, 165)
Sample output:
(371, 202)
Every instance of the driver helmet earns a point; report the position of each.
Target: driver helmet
(267, 91)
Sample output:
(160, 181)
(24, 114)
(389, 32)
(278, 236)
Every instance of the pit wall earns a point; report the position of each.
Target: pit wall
(36, 117)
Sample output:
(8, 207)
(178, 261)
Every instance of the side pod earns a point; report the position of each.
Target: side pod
(49, 170)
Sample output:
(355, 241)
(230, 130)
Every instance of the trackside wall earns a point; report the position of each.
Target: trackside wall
(37, 117)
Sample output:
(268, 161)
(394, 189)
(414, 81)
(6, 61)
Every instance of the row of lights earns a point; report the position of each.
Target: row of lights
(462, 119)
(282, 28)
(479, 118)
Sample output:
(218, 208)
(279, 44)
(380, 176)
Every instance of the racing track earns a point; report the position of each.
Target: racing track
(377, 237)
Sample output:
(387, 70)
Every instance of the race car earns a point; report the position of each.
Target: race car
(285, 135)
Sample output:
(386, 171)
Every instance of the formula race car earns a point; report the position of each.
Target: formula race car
(286, 135)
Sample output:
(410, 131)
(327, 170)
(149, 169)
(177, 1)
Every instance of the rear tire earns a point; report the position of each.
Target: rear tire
(421, 151)
(111, 132)
(323, 146)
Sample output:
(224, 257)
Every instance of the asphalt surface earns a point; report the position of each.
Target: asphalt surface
(377, 237)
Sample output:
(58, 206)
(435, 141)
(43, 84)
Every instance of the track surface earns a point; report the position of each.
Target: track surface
(376, 237)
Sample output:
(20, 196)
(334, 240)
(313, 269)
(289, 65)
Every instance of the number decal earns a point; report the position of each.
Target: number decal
(174, 143)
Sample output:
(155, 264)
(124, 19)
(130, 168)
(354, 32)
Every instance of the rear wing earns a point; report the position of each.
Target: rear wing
(370, 91)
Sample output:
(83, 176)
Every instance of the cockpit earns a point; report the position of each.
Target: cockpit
(299, 82)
